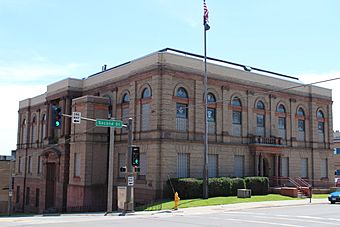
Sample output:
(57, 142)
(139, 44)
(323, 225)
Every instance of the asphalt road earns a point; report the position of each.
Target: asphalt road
(323, 214)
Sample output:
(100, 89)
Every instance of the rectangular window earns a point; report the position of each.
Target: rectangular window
(337, 150)
(260, 120)
(182, 165)
(17, 197)
(39, 165)
(212, 165)
(181, 117)
(125, 118)
(304, 167)
(284, 167)
(301, 125)
(282, 123)
(27, 200)
(76, 165)
(181, 110)
(321, 127)
(37, 195)
(239, 165)
(145, 117)
(29, 169)
(211, 117)
(121, 163)
(236, 117)
(323, 168)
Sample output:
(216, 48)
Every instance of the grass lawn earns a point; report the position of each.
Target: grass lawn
(167, 205)
(320, 196)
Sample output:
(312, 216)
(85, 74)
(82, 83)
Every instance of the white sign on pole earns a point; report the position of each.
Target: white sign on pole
(130, 181)
(76, 117)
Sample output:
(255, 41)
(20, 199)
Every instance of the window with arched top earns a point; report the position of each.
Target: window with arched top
(182, 109)
(125, 110)
(301, 124)
(236, 116)
(43, 128)
(281, 121)
(281, 109)
(236, 102)
(182, 93)
(260, 119)
(126, 98)
(24, 131)
(145, 109)
(321, 125)
(211, 112)
(33, 130)
(146, 93)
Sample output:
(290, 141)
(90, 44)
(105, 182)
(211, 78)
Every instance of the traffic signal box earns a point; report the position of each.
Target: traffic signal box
(135, 157)
(56, 117)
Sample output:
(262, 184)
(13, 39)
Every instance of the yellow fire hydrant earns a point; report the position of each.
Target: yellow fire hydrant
(176, 199)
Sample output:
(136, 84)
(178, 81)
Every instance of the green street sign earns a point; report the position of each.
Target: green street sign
(109, 123)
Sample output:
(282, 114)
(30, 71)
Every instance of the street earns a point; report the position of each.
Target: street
(321, 214)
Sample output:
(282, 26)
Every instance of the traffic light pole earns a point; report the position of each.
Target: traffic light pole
(128, 206)
(110, 174)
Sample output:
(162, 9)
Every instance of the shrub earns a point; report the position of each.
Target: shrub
(237, 183)
(187, 188)
(258, 185)
(219, 186)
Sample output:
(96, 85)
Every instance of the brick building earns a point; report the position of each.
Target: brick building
(256, 127)
(6, 168)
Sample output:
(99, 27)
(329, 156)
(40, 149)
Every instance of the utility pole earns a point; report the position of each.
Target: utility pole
(128, 206)
(110, 174)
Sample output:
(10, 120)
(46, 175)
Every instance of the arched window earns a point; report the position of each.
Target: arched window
(33, 130)
(145, 109)
(260, 105)
(43, 127)
(282, 121)
(181, 92)
(321, 125)
(182, 110)
(301, 124)
(146, 93)
(126, 98)
(260, 119)
(125, 110)
(211, 112)
(281, 109)
(236, 116)
(23, 131)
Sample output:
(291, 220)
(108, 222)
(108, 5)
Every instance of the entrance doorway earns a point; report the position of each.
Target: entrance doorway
(50, 185)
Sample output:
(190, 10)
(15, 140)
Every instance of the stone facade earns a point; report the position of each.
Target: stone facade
(257, 127)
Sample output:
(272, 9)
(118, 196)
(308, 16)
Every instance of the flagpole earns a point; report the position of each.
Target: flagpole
(205, 166)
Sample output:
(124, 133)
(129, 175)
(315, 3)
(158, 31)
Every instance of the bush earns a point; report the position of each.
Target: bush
(187, 188)
(219, 186)
(258, 185)
(237, 183)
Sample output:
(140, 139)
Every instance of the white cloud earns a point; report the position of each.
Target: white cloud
(334, 85)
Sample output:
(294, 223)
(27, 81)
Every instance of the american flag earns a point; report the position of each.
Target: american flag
(205, 16)
(206, 12)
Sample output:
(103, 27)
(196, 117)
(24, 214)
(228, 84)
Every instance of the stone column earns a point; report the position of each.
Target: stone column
(261, 165)
(256, 167)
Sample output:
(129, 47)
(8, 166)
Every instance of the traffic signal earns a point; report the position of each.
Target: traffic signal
(135, 157)
(56, 116)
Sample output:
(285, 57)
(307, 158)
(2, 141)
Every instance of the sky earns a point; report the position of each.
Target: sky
(42, 42)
